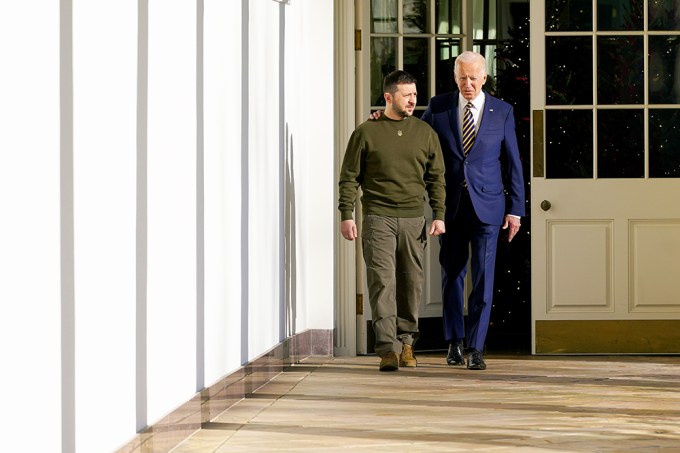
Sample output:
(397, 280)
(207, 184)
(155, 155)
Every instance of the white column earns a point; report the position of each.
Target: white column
(104, 168)
(345, 277)
(223, 187)
(264, 177)
(171, 185)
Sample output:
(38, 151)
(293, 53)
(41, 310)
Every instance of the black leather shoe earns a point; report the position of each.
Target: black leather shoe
(455, 355)
(476, 361)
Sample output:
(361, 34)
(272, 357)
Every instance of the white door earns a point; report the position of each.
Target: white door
(605, 97)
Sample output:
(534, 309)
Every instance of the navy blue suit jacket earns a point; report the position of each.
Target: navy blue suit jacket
(492, 165)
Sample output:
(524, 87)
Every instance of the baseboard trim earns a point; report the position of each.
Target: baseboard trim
(212, 401)
(608, 337)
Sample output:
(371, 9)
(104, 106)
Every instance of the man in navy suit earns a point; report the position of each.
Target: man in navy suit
(482, 163)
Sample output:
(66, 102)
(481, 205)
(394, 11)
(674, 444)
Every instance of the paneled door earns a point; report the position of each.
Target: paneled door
(605, 98)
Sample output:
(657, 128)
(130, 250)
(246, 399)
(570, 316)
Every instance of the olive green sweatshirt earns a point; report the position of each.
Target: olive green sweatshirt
(396, 163)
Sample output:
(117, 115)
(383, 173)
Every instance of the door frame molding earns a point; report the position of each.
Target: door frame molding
(344, 341)
(536, 103)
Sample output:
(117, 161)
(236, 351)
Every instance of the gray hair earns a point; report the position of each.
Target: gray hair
(470, 57)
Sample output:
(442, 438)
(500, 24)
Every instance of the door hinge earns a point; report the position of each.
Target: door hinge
(360, 304)
(357, 40)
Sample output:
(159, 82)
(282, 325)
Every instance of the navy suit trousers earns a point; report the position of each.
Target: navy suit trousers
(467, 239)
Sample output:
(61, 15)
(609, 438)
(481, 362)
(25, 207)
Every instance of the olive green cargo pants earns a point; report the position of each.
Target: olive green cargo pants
(394, 249)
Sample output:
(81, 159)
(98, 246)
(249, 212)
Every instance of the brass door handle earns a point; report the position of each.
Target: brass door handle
(545, 205)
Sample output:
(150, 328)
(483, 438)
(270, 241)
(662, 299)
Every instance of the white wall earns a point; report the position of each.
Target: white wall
(171, 239)
(104, 168)
(309, 112)
(223, 90)
(264, 177)
(30, 307)
(170, 287)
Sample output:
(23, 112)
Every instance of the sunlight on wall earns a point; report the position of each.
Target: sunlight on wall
(29, 230)
(171, 205)
(178, 271)
(223, 195)
(310, 85)
(264, 178)
(105, 163)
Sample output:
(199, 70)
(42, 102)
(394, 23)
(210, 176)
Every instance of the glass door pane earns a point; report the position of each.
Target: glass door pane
(664, 15)
(664, 70)
(416, 16)
(620, 15)
(416, 62)
(383, 16)
(569, 137)
(569, 70)
(621, 143)
(568, 15)
(620, 70)
(664, 139)
(383, 61)
(625, 56)
(422, 37)
(446, 50)
(448, 16)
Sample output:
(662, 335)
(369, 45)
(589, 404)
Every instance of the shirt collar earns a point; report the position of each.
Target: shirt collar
(478, 102)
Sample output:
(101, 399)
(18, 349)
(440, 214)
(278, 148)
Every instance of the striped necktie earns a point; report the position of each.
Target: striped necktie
(468, 129)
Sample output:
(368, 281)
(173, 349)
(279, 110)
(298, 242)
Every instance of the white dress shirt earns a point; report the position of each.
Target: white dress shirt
(477, 108)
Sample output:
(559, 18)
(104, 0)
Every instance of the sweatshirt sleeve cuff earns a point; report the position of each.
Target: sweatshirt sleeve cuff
(346, 215)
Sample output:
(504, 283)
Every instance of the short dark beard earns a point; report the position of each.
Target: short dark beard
(402, 113)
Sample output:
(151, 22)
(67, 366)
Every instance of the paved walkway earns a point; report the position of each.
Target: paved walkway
(519, 404)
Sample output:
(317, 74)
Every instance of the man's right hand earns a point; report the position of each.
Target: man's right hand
(348, 229)
(375, 115)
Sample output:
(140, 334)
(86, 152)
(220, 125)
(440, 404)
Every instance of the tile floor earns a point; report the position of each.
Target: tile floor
(519, 404)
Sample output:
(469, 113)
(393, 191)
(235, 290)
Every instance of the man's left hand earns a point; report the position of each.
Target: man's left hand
(437, 228)
(514, 223)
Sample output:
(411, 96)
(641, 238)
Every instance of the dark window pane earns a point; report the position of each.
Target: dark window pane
(489, 52)
(664, 15)
(620, 15)
(445, 54)
(383, 16)
(568, 15)
(664, 143)
(620, 144)
(416, 64)
(448, 16)
(664, 72)
(569, 70)
(620, 70)
(569, 144)
(383, 61)
(484, 20)
(415, 16)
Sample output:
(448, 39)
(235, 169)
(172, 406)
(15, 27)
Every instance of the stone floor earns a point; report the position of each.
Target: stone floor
(519, 404)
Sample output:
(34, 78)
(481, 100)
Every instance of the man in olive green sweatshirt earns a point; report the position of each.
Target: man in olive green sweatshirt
(396, 161)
